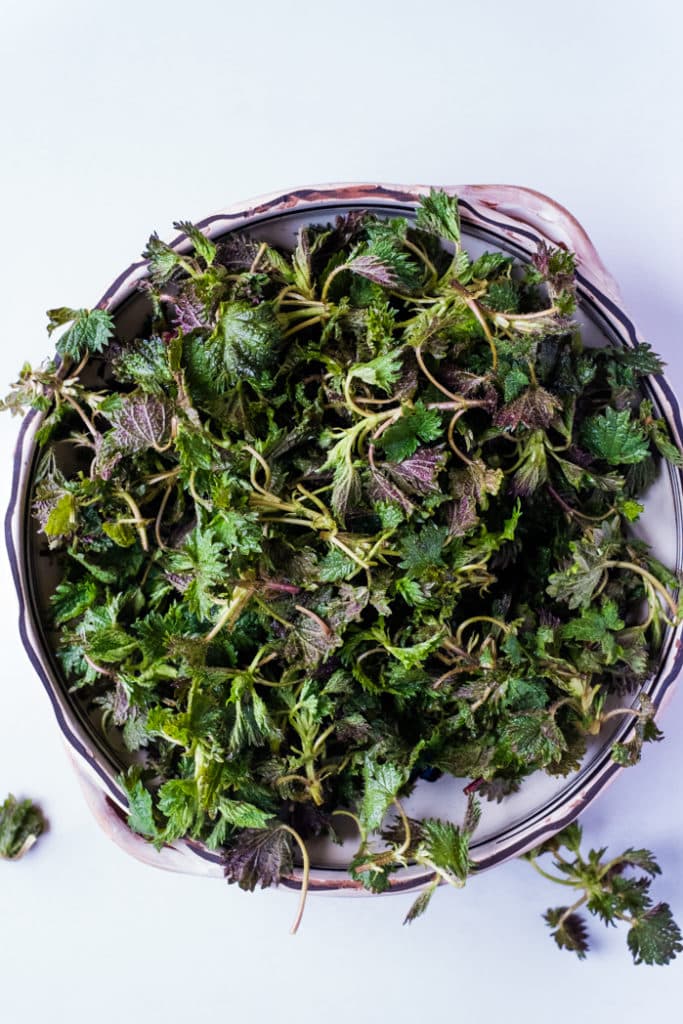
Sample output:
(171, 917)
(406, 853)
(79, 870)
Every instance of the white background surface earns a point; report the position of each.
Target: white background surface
(118, 119)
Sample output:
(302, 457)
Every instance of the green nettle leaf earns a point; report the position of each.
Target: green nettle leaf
(423, 550)
(21, 822)
(345, 516)
(90, 330)
(63, 517)
(145, 365)
(346, 489)
(163, 259)
(140, 812)
(203, 246)
(446, 847)
(382, 372)
(420, 905)
(615, 437)
(337, 566)
(110, 644)
(438, 214)
(488, 263)
(71, 600)
(251, 339)
(381, 784)
(655, 938)
(403, 439)
(242, 814)
(199, 569)
(535, 737)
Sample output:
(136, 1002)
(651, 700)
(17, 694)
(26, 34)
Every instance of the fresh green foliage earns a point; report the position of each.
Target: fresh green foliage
(89, 330)
(342, 516)
(608, 891)
(21, 822)
(613, 436)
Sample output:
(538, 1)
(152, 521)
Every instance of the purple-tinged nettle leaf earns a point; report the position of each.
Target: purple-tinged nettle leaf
(418, 474)
(381, 488)
(535, 408)
(462, 516)
(188, 315)
(143, 421)
(370, 266)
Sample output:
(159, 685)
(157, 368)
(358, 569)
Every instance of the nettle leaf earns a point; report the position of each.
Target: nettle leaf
(145, 363)
(382, 372)
(242, 814)
(337, 566)
(141, 421)
(488, 263)
(110, 644)
(63, 516)
(163, 259)
(446, 847)
(533, 468)
(423, 549)
(346, 489)
(311, 640)
(645, 731)
(515, 382)
(201, 564)
(576, 584)
(203, 246)
(534, 408)
(70, 600)
(658, 433)
(258, 857)
(403, 438)
(418, 474)
(90, 330)
(381, 784)
(615, 437)
(570, 930)
(655, 938)
(535, 737)
(251, 339)
(140, 811)
(438, 215)
(640, 358)
(596, 626)
(21, 822)
(252, 725)
(421, 903)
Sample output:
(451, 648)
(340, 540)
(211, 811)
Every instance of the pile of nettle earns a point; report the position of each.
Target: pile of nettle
(345, 516)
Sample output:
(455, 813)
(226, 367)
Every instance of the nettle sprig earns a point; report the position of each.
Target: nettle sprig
(21, 824)
(341, 518)
(615, 889)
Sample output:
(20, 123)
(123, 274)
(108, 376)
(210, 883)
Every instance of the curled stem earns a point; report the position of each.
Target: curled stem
(305, 875)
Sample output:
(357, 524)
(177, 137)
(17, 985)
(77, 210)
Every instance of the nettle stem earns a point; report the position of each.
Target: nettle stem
(433, 380)
(424, 258)
(305, 875)
(651, 579)
(140, 523)
(479, 618)
(546, 874)
(240, 598)
(92, 429)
